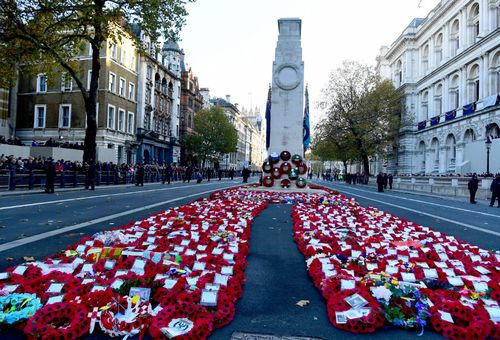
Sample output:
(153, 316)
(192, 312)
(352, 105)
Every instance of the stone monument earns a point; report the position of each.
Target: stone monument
(287, 105)
(285, 167)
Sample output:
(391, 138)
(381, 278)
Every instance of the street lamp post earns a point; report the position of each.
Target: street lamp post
(488, 147)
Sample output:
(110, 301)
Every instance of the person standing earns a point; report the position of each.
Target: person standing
(380, 182)
(139, 175)
(219, 172)
(188, 173)
(90, 175)
(245, 174)
(168, 171)
(472, 186)
(231, 174)
(495, 190)
(50, 175)
(391, 179)
(386, 180)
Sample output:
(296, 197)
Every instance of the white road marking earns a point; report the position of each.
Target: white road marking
(423, 202)
(427, 214)
(59, 202)
(34, 238)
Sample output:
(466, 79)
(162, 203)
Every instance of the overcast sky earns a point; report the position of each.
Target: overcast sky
(230, 44)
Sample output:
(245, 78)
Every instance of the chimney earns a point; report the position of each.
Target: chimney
(228, 98)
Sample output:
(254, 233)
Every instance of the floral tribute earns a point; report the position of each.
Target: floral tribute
(175, 274)
(377, 270)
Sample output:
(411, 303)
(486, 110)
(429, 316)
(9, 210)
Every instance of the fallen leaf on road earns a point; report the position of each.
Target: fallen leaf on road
(28, 258)
(24, 220)
(9, 259)
(303, 303)
(2, 226)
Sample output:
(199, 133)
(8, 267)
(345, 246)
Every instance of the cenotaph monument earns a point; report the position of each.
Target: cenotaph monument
(285, 167)
(287, 105)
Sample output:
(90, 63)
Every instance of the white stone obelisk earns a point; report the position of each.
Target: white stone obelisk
(287, 104)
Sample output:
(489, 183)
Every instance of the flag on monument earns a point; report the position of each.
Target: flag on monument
(268, 118)
(307, 131)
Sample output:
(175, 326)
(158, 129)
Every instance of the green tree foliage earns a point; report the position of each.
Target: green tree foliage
(213, 136)
(363, 115)
(47, 36)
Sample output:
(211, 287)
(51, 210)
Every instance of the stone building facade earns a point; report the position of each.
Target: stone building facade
(448, 67)
(251, 139)
(5, 131)
(191, 103)
(158, 104)
(54, 108)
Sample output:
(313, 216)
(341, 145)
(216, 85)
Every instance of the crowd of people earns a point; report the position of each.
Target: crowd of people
(50, 142)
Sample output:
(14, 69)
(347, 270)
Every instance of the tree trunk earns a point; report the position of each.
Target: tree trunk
(89, 148)
(366, 165)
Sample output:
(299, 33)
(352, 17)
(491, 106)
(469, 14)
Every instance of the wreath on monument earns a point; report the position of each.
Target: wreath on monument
(285, 167)
(285, 156)
(267, 167)
(276, 173)
(285, 183)
(267, 181)
(17, 307)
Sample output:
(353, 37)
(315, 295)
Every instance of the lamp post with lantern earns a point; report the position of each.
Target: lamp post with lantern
(488, 147)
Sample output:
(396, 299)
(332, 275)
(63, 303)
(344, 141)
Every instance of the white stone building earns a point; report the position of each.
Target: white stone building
(448, 66)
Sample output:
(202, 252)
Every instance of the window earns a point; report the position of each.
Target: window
(455, 38)
(121, 88)
(121, 120)
(131, 91)
(149, 73)
(439, 49)
(112, 82)
(132, 62)
(123, 57)
(113, 50)
(40, 111)
(89, 78)
(147, 121)
(111, 117)
(41, 83)
(65, 116)
(130, 122)
(425, 106)
(425, 59)
(148, 96)
(66, 83)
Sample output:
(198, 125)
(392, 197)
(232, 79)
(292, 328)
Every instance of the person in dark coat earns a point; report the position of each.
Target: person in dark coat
(386, 180)
(245, 174)
(139, 175)
(167, 174)
(231, 174)
(380, 182)
(219, 172)
(188, 174)
(90, 172)
(495, 190)
(472, 186)
(50, 175)
(391, 179)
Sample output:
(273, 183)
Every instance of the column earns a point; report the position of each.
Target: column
(484, 83)
(430, 103)
(432, 55)
(463, 36)
(446, 94)
(484, 18)
(442, 159)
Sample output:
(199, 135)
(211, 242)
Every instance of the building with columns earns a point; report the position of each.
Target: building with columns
(448, 67)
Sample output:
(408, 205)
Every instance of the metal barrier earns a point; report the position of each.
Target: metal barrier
(35, 179)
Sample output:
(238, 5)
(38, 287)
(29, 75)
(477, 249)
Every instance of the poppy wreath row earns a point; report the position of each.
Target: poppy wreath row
(195, 245)
(346, 243)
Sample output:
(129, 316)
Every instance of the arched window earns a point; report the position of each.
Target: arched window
(469, 136)
(474, 21)
(164, 86)
(451, 152)
(425, 59)
(492, 131)
(425, 106)
(157, 82)
(398, 74)
(438, 100)
(422, 155)
(473, 83)
(439, 48)
(454, 38)
(495, 74)
(454, 92)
